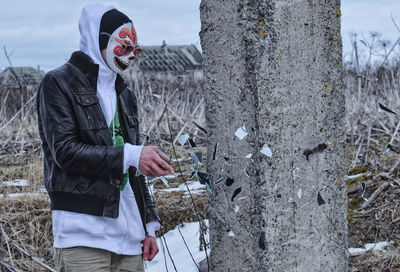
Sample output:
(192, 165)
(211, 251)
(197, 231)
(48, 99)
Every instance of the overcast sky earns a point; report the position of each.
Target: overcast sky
(45, 32)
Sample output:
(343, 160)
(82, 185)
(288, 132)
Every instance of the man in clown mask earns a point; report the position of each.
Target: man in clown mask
(102, 213)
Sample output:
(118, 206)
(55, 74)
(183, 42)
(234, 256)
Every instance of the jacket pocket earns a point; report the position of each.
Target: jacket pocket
(90, 115)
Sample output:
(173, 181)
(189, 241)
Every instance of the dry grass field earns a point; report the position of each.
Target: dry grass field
(373, 215)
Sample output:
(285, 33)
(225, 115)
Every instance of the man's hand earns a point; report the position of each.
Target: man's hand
(154, 163)
(150, 248)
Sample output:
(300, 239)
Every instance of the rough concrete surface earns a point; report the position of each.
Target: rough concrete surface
(274, 67)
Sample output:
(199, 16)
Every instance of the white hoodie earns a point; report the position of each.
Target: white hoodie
(123, 234)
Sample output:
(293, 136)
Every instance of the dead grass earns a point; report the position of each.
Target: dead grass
(27, 222)
(376, 261)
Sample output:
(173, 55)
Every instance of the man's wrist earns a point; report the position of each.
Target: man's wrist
(132, 155)
(152, 227)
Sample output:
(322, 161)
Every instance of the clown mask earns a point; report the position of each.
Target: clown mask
(122, 47)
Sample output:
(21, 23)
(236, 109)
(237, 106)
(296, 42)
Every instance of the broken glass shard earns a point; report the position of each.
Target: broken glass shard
(246, 173)
(322, 188)
(236, 192)
(199, 156)
(385, 149)
(364, 187)
(204, 178)
(320, 200)
(192, 175)
(241, 133)
(248, 156)
(299, 192)
(183, 138)
(231, 234)
(157, 96)
(237, 208)
(266, 151)
(218, 181)
(224, 166)
(392, 148)
(195, 162)
(201, 128)
(215, 151)
(229, 181)
(385, 108)
(191, 143)
(164, 180)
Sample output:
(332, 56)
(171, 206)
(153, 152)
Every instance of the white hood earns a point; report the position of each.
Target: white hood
(89, 27)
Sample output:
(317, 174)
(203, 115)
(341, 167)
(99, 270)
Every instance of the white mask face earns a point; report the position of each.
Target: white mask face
(122, 47)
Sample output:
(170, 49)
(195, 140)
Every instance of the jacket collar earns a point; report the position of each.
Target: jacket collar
(86, 65)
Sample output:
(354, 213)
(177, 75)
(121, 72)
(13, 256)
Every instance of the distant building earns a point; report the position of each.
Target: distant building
(20, 76)
(184, 61)
(175, 60)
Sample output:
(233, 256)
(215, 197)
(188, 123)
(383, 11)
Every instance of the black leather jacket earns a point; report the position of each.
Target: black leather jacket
(82, 168)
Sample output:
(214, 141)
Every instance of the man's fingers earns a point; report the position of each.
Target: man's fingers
(163, 164)
(163, 156)
(154, 250)
(157, 171)
(146, 248)
(154, 162)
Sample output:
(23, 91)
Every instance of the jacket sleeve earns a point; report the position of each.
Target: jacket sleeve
(60, 131)
(151, 212)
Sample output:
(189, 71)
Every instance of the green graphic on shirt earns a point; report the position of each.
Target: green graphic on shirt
(118, 140)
